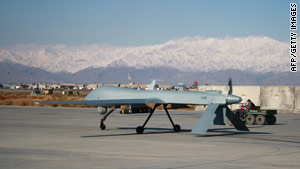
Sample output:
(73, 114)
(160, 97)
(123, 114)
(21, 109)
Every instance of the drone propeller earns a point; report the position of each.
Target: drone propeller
(230, 86)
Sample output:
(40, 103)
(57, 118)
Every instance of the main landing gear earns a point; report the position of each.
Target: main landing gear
(102, 125)
(140, 129)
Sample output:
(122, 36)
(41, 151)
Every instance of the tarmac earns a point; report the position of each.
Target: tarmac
(37, 137)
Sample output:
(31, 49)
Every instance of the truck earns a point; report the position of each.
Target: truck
(257, 116)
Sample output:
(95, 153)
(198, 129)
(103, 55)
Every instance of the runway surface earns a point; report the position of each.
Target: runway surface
(32, 137)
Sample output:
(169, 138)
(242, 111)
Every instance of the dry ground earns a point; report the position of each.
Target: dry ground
(26, 99)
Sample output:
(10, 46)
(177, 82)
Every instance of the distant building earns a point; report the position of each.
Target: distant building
(54, 86)
(93, 86)
(48, 91)
(68, 86)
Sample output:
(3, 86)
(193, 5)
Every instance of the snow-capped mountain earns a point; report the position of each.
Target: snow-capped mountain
(256, 54)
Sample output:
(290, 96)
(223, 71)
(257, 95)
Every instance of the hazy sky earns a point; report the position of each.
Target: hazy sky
(138, 22)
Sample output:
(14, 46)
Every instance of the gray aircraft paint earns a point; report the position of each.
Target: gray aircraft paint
(161, 96)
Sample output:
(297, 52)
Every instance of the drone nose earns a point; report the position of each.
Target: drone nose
(231, 99)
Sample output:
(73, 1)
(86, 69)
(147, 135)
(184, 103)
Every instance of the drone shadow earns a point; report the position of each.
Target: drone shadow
(210, 133)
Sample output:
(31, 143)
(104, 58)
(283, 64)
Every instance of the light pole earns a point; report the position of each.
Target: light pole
(99, 75)
(8, 79)
(74, 78)
(31, 76)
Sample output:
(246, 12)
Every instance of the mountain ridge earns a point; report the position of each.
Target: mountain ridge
(256, 54)
(18, 73)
